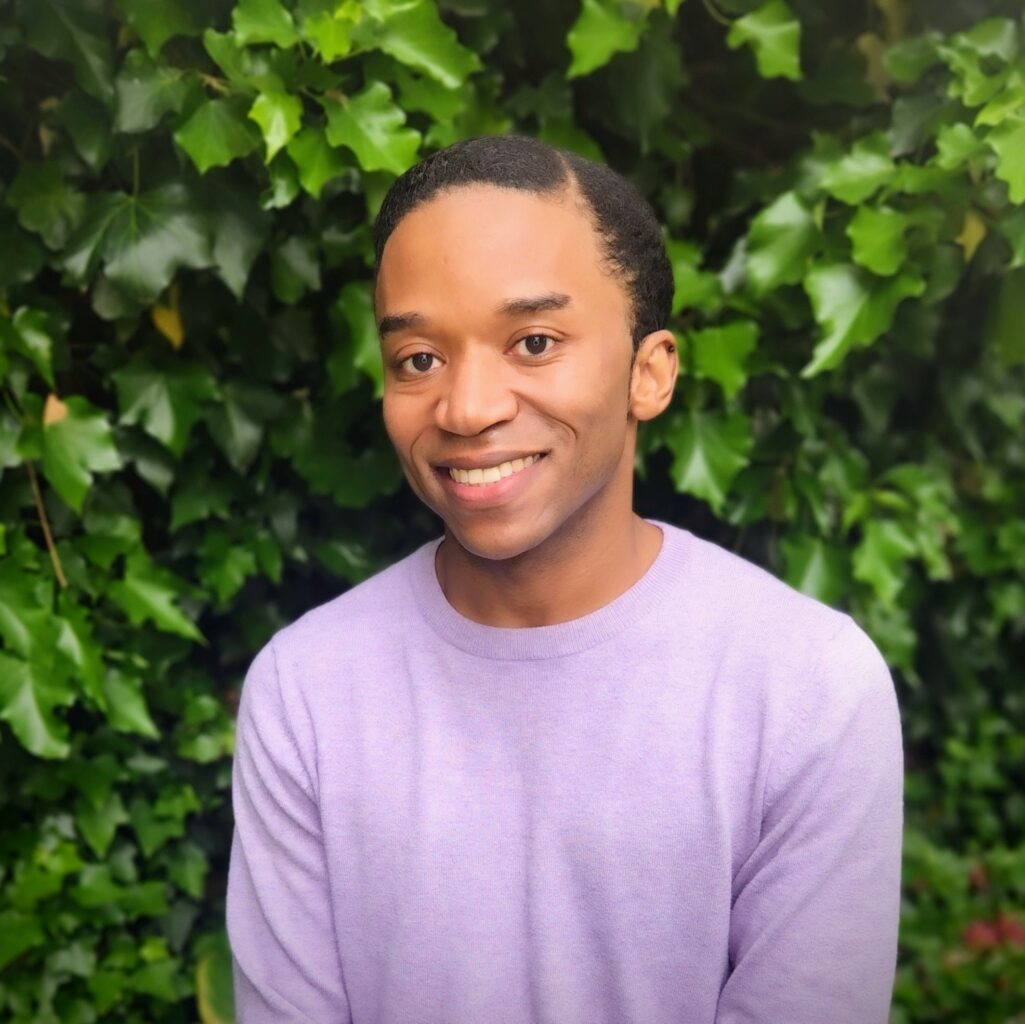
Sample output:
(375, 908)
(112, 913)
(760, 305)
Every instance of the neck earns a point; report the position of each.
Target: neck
(591, 560)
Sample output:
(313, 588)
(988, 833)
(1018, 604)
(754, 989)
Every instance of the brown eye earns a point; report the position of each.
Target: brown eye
(536, 344)
(419, 362)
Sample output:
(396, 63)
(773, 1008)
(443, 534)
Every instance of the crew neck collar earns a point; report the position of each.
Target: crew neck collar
(528, 643)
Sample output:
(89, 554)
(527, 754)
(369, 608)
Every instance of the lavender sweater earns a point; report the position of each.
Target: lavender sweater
(684, 807)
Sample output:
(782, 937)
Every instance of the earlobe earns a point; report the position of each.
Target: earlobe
(654, 375)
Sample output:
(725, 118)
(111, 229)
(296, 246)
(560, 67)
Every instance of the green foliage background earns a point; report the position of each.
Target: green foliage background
(190, 441)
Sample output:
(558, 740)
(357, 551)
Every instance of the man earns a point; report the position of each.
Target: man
(562, 764)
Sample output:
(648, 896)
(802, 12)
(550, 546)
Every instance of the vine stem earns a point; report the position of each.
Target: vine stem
(45, 522)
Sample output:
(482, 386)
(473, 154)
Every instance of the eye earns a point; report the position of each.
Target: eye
(536, 345)
(418, 362)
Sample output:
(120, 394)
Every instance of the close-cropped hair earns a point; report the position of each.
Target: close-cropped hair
(631, 238)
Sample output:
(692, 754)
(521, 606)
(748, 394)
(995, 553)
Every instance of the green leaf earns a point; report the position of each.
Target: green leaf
(880, 556)
(709, 449)
(601, 30)
(816, 568)
(215, 994)
(956, 144)
(87, 122)
(330, 34)
(852, 310)
(774, 33)
(354, 308)
(75, 33)
(294, 269)
(146, 91)
(237, 424)
(98, 823)
(720, 353)
(76, 641)
(1005, 334)
(781, 241)
(44, 202)
(264, 21)
(859, 173)
(166, 399)
(20, 932)
(224, 564)
(28, 696)
(1012, 227)
(239, 227)
(414, 34)
(216, 133)
(693, 288)
(316, 159)
(279, 117)
(26, 622)
(877, 239)
(370, 124)
(140, 240)
(148, 593)
(156, 21)
(29, 333)
(77, 442)
(126, 706)
(1008, 142)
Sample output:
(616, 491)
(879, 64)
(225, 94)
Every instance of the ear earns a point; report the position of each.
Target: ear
(654, 375)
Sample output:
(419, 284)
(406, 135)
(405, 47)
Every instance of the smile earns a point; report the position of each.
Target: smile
(491, 474)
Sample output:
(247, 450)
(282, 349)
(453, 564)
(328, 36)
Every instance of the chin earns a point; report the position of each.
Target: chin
(495, 542)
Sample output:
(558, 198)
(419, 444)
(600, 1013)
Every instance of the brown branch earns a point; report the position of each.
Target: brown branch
(45, 522)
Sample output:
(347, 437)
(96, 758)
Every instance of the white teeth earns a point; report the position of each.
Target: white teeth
(493, 473)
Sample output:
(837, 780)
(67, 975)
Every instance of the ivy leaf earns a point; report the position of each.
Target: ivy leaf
(216, 133)
(601, 30)
(77, 442)
(18, 933)
(857, 174)
(879, 558)
(774, 33)
(146, 91)
(693, 288)
(1012, 227)
(414, 34)
(719, 353)
(28, 697)
(126, 706)
(74, 33)
(98, 823)
(29, 333)
(224, 564)
(87, 122)
(26, 621)
(240, 229)
(852, 309)
(815, 568)
(279, 117)
(316, 160)
(264, 21)
(156, 21)
(956, 144)
(1005, 335)
(781, 241)
(44, 202)
(355, 309)
(141, 240)
(166, 400)
(370, 124)
(1008, 142)
(294, 269)
(709, 449)
(330, 34)
(877, 239)
(148, 593)
(75, 640)
(237, 423)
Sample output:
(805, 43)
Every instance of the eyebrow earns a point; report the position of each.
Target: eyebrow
(546, 303)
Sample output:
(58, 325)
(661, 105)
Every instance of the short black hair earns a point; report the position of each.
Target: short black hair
(626, 224)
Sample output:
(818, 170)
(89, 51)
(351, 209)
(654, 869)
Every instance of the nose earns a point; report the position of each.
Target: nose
(476, 394)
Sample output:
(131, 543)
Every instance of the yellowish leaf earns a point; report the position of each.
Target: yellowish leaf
(895, 16)
(166, 317)
(54, 410)
(973, 231)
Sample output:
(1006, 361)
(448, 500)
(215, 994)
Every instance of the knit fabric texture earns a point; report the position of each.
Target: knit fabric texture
(685, 807)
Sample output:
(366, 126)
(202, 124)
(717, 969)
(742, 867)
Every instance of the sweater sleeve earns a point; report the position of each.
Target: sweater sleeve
(279, 922)
(816, 906)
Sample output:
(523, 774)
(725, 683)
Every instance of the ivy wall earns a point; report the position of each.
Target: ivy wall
(191, 452)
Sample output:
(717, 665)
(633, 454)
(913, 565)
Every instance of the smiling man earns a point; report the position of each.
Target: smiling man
(562, 764)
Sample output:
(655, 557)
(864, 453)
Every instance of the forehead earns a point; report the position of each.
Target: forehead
(484, 244)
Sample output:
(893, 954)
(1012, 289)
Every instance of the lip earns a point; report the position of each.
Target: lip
(486, 459)
(488, 495)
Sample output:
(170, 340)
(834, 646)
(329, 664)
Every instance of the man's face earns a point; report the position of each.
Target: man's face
(507, 361)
